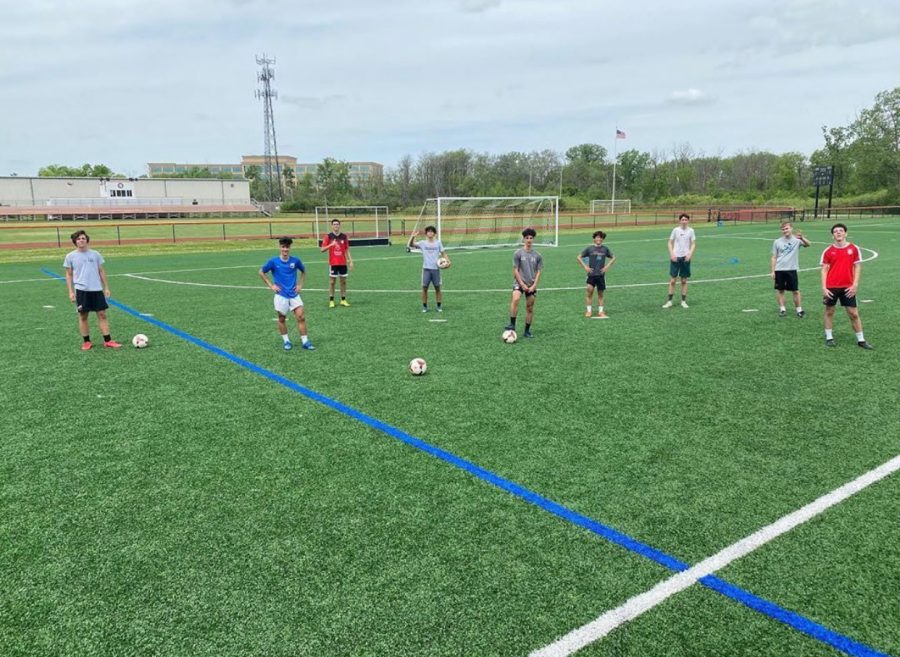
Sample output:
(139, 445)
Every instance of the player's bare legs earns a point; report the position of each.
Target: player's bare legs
(529, 309)
(514, 304)
(103, 322)
(301, 320)
(829, 317)
(83, 325)
(438, 295)
(855, 321)
(282, 325)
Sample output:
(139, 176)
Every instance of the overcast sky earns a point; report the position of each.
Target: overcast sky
(124, 82)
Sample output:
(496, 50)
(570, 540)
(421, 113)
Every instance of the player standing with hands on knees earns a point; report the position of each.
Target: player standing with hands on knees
(527, 265)
(682, 243)
(596, 268)
(432, 250)
(841, 269)
(284, 268)
(88, 288)
(339, 260)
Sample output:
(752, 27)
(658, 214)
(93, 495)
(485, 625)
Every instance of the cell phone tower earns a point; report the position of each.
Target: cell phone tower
(272, 169)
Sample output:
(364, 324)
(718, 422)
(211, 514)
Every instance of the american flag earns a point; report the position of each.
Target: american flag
(620, 134)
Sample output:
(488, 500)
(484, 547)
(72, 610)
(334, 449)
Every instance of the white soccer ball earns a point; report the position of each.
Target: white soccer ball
(509, 336)
(443, 262)
(140, 341)
(418, 366)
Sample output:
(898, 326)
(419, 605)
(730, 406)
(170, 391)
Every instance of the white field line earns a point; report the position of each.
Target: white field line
(644, 602)
(477, 291)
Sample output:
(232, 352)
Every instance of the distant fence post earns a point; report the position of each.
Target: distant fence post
(118, 235)
(223, 231)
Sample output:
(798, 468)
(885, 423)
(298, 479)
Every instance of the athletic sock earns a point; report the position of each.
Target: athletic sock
(107, 338)
(424, 306)
(512, 321)
(684, 297)
(331, 298)
(587, 309)
(599, 309)
(783, 309)
(670, 297)
(439, 306)
(829, 335)
(304, 339)
(799, 309)
(527, 327)
(285, 337)
(859, 337)
(86, 338)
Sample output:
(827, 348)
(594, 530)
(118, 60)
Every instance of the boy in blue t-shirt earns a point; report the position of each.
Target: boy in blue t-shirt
(284, 268)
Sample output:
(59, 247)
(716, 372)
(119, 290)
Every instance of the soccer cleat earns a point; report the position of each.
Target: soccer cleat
(344, 303)
(527, 334)
(425, 310)
(112, 344)
(440, 310)
(667, 304)
(782, 313)
(309, 346)
(85, 346)
(331, 304)
(684, 304)
(288, 346)
(865, 345)
(801, 314)
(602, 316)
(830, 343)
(509, 327)
(587, 313)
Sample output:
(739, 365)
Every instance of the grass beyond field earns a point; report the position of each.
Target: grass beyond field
(215, 495)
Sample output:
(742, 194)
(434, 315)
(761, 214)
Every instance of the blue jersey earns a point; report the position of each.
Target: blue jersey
(285, 274)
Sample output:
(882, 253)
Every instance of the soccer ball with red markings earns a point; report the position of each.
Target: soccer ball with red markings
(418, 366)
(140, 341)
(509, 336)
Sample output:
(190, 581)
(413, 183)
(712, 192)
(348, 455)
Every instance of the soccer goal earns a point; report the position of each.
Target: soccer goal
(369, 224)
(605, 206)
(481, 222)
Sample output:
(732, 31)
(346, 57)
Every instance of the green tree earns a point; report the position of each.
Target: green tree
(84, 171)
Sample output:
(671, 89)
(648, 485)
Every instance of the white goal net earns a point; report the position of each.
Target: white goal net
(480, 222)
(356, 220)
(602, 206)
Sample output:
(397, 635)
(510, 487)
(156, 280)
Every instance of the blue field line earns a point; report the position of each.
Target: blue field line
(770, 609)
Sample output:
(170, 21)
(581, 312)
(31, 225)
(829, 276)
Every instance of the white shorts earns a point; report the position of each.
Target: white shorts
(284, 306)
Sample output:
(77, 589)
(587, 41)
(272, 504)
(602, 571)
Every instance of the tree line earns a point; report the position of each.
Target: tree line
(865, 154)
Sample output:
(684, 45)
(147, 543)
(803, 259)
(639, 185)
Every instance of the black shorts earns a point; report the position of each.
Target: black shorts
(598, 281)
(338, 270)
(839, 294)
(525, 292)
(787, 281)
(90, 302)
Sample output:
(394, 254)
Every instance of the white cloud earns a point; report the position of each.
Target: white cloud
(690, 96)
(478, 5)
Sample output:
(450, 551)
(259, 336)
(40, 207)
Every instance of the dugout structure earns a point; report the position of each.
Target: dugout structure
(495, 221)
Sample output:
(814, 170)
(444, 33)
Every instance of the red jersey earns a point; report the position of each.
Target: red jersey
(840, 262)
(337, 255)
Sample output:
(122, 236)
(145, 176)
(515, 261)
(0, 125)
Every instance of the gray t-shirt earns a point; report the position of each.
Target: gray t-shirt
(85, 266)
(528, 263)
(787, 253)
(596, 256)
(431, 251)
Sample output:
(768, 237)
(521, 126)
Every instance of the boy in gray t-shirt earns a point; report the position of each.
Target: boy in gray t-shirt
(527, 265)
(432, 250)
(88, 288)
(785, 263)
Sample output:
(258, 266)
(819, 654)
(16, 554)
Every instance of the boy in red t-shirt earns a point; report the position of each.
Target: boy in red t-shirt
(338, 246)
(841, 267)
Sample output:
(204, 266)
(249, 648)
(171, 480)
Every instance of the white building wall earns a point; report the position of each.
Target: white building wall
(23, 191)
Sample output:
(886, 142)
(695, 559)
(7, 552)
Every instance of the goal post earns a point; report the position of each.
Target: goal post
(476, 222)
(369, 222)
(605, 206)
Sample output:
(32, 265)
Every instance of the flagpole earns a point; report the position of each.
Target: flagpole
(612, 205)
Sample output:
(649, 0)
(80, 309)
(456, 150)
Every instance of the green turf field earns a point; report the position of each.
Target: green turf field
(187, 499)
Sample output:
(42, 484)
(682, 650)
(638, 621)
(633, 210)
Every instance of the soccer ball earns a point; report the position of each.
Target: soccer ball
(417, 366)
(140, 341)
(509, 336)
(443, 262)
